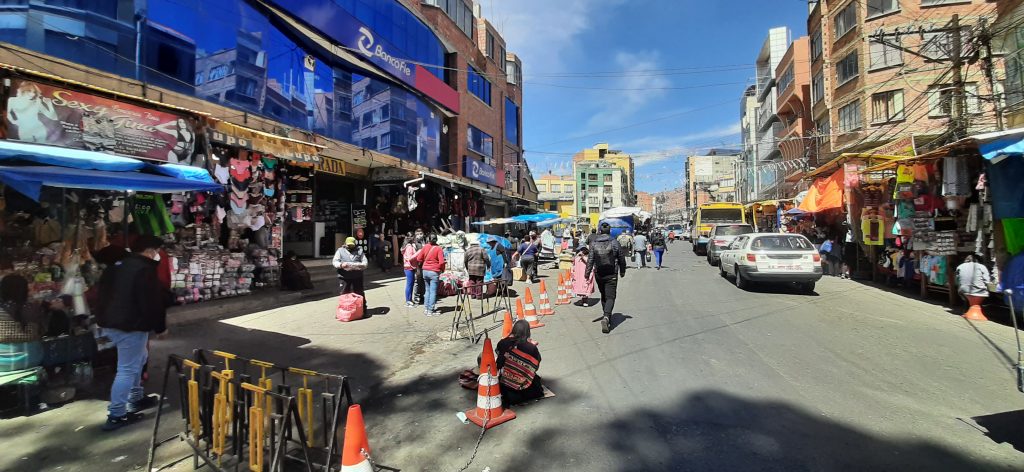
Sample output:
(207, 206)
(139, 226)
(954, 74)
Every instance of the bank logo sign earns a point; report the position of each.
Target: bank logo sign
(377, 53)
(480, 171)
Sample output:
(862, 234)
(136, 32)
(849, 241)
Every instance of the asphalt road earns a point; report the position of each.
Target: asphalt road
(698, 375)
(695, 375)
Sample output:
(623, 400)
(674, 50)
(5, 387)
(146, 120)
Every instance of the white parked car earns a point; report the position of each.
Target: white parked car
(771, 257)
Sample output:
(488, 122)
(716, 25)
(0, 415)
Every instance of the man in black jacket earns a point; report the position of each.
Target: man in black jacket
(132, 303)
(607, 262)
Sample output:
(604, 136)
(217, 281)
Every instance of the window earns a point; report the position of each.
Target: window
(367, 119)
(481, 143)
(385, 141)
(199, 78)
(785, 79)
(928, 3)
(1014, 84)
(940, 100)
(513, 73)
(817, 88)
(887, 106)
(882, 7)
(607, 177)
(385, 112)
(608, 189)
(592, 177)
(849, 117)
(490, 45)
(824, 129)
(246, 86)
(511, 122)
(936, 45)
(882, 55)
(501, 58)
(816, 46)
(594, 210)
(846, 20)
(218, 73)
(478, 85)
(369, 143)
(556, 187)
(847, 69)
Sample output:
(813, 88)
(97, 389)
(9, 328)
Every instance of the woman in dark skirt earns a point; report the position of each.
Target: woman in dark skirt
(518, 360)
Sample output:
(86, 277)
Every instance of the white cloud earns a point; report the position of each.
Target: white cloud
(653, 149)
(543, 32)
(633, 92)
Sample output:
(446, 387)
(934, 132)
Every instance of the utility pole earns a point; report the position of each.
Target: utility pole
(958, 117)
(986, 39)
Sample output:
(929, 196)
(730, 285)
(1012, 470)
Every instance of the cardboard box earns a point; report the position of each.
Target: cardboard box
(518, 274)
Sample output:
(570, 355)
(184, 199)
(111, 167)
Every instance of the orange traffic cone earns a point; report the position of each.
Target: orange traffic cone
(534, 323)
(974, 313)
(561, 300)
(506, 325)
(355, 455)
(488, 412)
(531, 309)
(545, 303)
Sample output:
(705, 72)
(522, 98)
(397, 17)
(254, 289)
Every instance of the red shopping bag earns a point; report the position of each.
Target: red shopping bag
(350, 307)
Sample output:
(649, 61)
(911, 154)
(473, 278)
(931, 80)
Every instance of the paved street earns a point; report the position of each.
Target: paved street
(697, 375)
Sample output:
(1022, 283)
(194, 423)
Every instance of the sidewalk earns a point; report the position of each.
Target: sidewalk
(396, 346)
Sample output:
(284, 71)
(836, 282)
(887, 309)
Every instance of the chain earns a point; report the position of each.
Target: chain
(483, 429)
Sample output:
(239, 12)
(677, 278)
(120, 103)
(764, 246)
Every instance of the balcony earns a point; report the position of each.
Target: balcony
(766, 116)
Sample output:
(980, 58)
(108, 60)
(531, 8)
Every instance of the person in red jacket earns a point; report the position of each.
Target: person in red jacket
(431, 257)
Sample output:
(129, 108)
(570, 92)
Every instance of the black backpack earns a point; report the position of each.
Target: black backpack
(603, 253)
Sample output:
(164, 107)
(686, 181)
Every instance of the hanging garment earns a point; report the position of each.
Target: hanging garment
(955, 180)
(873, 229)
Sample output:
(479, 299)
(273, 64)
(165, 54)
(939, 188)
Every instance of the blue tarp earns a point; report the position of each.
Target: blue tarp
(29, 180)
(536, 218)
(65, 157)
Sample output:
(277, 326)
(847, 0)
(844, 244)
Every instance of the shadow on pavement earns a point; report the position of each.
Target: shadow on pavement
(715, 430)
(618, 318)
(1004, 428)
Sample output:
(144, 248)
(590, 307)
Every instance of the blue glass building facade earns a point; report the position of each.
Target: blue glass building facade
(231, 53)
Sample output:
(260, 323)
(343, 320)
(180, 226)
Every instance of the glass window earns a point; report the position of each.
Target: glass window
(781, 243)
(199, 77)
(478, 85)
(1014, 83)
(785, 79)
(846, 20)
(816, 46)
(385, 141)
(592, 177)
(607, 177)
(817, 88)
(556, 187)
(936, 45)
(481, 143)
(511, 122)
(824, 128)
(490, 45)
(218, 73)
(883, 55)
(887, 106)
(940, 100)
(847, 69)
(849, 117)
(882, 7)
(732, 230)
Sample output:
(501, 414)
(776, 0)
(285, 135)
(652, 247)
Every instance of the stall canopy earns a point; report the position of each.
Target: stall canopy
(29, 167)
(825, 194)
(554, 221)
(535, 218)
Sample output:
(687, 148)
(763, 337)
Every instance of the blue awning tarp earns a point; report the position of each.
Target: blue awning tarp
(554, 221)
(178, 171)
(535, 218)
(67, 157)
(29, 180)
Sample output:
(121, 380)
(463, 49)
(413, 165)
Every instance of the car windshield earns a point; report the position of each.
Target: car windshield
(709, 215)
(732, 230)
(781, 242)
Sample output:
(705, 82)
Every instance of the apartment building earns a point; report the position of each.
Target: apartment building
(557, 193)
(867, 92)
(604, 180)
(793, 107)
(767, 123)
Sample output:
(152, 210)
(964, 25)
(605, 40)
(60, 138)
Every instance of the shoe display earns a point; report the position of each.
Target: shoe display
(115, 422)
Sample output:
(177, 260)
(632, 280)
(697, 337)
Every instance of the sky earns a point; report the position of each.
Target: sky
(657, 78)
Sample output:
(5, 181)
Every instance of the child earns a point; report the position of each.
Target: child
(581, 286)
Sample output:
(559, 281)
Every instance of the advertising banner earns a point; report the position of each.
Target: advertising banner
(479, 171)
(44, 114)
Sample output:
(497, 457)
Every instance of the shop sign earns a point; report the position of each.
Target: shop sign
(40, 113)
(344, 28)
(479, 171)
(331, 165)
(217, 137)
(303, 157)
(905, 146)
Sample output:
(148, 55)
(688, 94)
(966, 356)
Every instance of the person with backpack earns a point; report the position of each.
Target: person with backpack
(640, 249)
(659, 247)
(528, 257)
(625, 240)
(607, 263)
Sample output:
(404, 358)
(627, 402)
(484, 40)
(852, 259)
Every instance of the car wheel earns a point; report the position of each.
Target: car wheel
(807, 287)
(721, 270)
(709, 259)
(741, 283)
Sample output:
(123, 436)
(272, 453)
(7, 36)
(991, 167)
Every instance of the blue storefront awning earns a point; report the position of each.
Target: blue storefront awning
(66, 157)
(29, 180)
(535, 218)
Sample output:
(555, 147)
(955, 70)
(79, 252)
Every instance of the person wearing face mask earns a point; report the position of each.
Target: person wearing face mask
(132, 302)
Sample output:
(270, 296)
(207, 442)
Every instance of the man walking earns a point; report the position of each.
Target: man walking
(528, 257)
(351, 263)
(478, 263)
(607, 262)
(640, 249)
(132, 303)
(625, 240)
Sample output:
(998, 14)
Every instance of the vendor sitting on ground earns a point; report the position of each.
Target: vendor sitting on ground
(294, 275)
(518, 360)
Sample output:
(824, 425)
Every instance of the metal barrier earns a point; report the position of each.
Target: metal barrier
(494, 305)
(236, 417)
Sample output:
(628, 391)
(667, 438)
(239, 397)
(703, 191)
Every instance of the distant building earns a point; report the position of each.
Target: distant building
(645, 201)
(557, 193)
(711, 177)
(604, 180)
